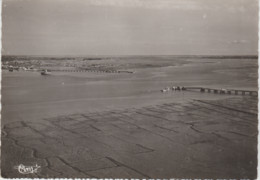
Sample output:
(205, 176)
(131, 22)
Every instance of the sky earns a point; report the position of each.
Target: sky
(129, 27)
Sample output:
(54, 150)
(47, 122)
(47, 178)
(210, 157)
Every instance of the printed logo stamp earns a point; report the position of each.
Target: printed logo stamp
(27, 169)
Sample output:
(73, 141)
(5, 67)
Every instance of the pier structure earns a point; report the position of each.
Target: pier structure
(215, 91)
(88, 70)
(223, 91)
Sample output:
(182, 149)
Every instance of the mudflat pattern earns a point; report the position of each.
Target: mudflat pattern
(204, 139)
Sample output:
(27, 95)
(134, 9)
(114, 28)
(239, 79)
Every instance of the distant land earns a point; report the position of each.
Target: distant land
(102, 57)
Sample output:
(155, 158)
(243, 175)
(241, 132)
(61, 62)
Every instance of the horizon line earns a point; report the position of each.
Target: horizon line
(125, 55)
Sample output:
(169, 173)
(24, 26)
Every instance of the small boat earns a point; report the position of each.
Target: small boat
(163, 90)
(167, 89)
(45, 72)
(10, 68)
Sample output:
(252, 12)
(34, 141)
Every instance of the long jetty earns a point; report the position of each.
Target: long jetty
(216, 91)
(223, 91)
(96, 71)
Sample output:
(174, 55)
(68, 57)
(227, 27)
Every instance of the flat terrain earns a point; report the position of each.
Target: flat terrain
(120, 125)
(197, 139)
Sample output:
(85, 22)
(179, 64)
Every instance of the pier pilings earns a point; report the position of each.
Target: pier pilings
(219, 91)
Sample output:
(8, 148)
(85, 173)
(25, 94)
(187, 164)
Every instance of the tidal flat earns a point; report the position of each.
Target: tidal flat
(119, 125)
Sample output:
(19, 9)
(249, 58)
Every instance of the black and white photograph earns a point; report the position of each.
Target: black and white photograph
(131, 89)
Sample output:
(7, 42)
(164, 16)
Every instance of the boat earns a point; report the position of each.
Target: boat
(10, 68)
(45, 72)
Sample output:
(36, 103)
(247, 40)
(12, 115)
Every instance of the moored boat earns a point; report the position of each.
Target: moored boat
(45, 72)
